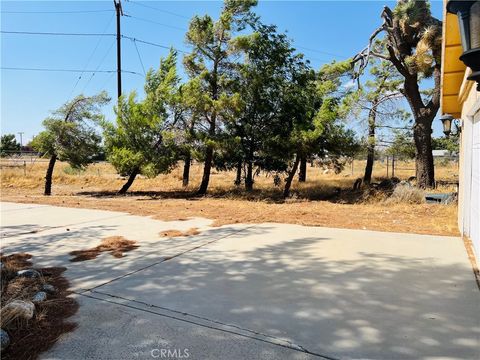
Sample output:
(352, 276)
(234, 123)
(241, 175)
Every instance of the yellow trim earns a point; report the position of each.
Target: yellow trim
(454, 88)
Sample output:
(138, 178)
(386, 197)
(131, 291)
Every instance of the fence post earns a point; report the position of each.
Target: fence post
(393, 166)
(387, 166)
(24, 168)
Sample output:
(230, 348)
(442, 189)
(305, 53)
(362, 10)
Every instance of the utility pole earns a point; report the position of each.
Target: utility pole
(119, 11)
(21, 139)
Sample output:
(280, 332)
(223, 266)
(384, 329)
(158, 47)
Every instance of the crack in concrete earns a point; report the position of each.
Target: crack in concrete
(275, 341)
(199, 317)
(256, 335)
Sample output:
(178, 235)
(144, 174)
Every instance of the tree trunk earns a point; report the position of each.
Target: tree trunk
(422, 130)
(288, 182)
(207, 167)
(302, 174)
(249, 177)
(186, 169)
(238, 178)
(49, 175)
(130, 181)
(211, 132)
(367, 178)
(424, 167)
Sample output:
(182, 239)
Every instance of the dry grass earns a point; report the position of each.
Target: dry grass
(178, 233)
(30, 338)
(324, 200)
(406, 194)
(115, 245)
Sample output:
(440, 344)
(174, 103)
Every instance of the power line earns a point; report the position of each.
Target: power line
(66, 70)
(155, 22)
(98, 66)
(88, 34)
(91, 56)
(53, 33)
(321, 52)
(157, 9)
(109, 78)
(139, 57)
(152, 44)
(57, 12)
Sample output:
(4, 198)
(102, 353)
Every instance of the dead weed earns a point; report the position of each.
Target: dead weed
(115, 245)
(178, 233)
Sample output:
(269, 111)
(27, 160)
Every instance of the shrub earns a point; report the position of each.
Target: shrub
(405, 193)
(70, 170)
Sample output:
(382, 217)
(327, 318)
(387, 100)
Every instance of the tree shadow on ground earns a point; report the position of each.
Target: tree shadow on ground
(361, 305)
(274, 195)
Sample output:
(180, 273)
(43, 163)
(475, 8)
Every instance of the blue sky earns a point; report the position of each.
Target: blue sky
(322, 30)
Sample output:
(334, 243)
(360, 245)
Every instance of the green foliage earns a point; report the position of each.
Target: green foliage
(402, 146)
(421, 36)
(451, 143)
(69, 170)
(209, 67)
(70, 133)
(140, 139)
(9, 145)
(256, 123)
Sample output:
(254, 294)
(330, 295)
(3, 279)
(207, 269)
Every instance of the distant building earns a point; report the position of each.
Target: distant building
(444, 154)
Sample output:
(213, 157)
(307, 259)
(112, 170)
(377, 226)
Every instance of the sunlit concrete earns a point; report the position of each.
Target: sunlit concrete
(255, 291)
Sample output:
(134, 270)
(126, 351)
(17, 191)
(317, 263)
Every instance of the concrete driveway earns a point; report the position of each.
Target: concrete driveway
(264, 291)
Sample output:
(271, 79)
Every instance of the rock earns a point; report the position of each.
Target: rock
(404, 183)
(29, 273)
(49, 289)
(39, 297)
(20, 308)
(452, 198)
(4, 338)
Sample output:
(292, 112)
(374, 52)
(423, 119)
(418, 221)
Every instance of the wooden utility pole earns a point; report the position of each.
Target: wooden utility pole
(21, 139)
(119, 11)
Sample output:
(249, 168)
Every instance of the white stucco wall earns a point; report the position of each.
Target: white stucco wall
(469, 192)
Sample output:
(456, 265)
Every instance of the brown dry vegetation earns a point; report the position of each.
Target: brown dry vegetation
(324, 200)
(115, 245)
(178, 233)
(30, 338)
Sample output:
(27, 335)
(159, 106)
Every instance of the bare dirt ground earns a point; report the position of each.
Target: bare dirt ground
(324, 200)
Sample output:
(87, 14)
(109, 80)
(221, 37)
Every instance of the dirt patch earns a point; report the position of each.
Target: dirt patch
(178, 233)
(29, 339)
(324, 200)
(115, 245)
(434, 219)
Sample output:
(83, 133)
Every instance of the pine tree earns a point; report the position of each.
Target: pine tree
(70, 134)
(209, 68)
